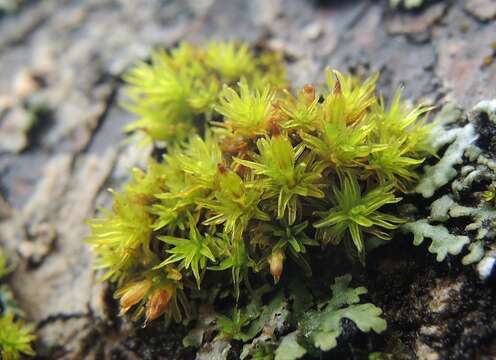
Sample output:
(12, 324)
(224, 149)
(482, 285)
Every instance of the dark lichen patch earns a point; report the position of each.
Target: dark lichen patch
(42, 118)
(446, 303)
(159, 341)
(332, 3)
(487, 132)
(469, 323)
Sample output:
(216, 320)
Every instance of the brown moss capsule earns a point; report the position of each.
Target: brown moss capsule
(158, 303)
(275, 129)
(233, 145)
(222, 168)
(337, 88)
(309, 92)
(276, 264)
(132, 294)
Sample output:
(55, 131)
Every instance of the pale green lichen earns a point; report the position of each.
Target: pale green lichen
(317, 328)
(465, 166)
(476, 253)
(444, 171)
(289, 349)
(407, 4)
(440, 208)
(322, 327)
(443, 243)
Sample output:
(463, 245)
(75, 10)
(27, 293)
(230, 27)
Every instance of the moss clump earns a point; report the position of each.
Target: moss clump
(15, 337)
(179, 89)
(267, 177)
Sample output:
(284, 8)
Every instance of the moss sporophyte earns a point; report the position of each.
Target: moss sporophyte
(254, 179)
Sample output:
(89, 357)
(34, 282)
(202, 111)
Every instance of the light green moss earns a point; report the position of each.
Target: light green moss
(249, 171)
(15, 336)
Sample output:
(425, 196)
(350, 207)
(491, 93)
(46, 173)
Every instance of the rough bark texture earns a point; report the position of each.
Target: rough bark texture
(61, 147)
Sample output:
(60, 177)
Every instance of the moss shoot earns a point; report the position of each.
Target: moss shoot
(15, 336)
